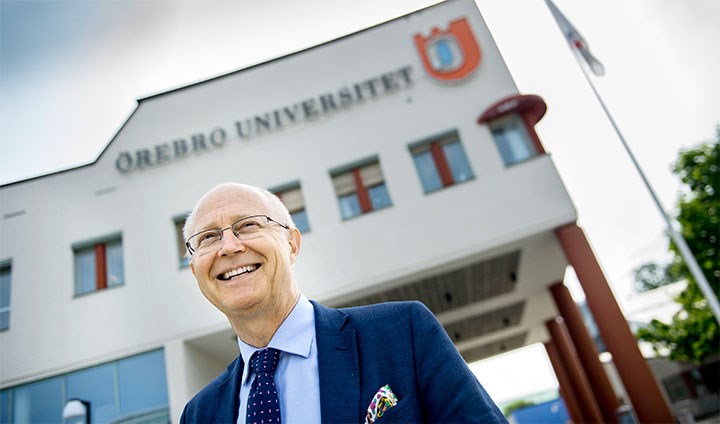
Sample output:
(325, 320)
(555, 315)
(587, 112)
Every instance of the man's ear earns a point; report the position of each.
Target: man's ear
(192, 266)
(295, 240)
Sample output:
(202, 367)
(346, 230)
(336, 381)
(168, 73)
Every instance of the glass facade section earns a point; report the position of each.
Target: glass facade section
(5, 280)
(441, 162)
(96, 385)
(89, 276)
(349, 206)
(457, 161)
(292, 197)
(142, 383)
(39, 402)
(133, 390)
(5, 407)
(114, 258)
(85, 271)
(379, 196)
(513, 141)
(360, 188)
(429, 177)
(181, 249)
(300, 219)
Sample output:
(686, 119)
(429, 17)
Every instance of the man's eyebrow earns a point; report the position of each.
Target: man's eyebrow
(234, 220)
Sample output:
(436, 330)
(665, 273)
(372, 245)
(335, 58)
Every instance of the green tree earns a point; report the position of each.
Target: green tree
(514, 406)
(693, 334)
(652, 275)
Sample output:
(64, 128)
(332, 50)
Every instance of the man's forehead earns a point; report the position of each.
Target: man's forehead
(229, 202)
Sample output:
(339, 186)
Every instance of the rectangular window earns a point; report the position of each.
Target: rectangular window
(129, 390)
(360, 188)
(441, 162)
(512, 140)
(181, 249)
(98, 265)
(5, 279)
(291, 196)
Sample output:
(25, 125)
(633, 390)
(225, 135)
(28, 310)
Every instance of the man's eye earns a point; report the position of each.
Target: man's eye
(248, 226)
(207, 238)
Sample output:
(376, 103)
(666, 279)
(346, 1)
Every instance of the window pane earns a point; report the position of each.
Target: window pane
(457, 161)
(427, 171)
(301, 221)
(379, 197)
(142, 383)
(5, 417)
(114, 258)
(4, 319)
(181, 242)
(513, 142)
(84, 271)
(96, 385)
(39, 402)
(349, 206)
(4, 298)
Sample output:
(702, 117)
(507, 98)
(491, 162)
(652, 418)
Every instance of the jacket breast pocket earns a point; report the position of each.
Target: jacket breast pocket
(405, 411)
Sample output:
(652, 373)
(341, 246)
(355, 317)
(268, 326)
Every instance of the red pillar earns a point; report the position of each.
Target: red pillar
(561, 339)
(587, 352)
(640, 385)
(566, 390)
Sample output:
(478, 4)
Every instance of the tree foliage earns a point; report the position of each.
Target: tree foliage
(652, 275)
(514, 406)
(693, 333)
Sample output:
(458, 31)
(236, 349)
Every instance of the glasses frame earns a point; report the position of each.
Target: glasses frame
(222, 230)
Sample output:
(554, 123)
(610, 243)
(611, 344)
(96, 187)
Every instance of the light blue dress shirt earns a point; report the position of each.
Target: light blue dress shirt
(296, 377)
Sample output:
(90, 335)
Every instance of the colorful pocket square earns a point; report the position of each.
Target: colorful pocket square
(383, 400)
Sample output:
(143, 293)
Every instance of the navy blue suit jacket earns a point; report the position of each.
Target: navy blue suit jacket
(360, 350)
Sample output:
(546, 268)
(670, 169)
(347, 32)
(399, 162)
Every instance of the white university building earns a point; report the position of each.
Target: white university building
(406, 155)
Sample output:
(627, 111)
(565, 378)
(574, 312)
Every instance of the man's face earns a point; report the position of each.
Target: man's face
(245, 278)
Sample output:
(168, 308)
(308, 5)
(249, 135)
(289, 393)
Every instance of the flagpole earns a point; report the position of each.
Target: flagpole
(676, 236)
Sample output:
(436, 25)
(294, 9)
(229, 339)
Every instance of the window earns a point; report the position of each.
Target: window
(98, 265)
(179, 222)
(441, 162)
(5, 278)
(292, 197)
(360, 188)
(132, 389)
(513, 140)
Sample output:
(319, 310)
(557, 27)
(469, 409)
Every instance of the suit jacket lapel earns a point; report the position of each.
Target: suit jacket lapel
(227, 400)
(338, 366)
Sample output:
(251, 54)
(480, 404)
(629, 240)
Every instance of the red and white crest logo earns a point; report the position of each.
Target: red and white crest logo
(449, 55)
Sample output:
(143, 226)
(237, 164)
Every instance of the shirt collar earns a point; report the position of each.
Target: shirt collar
(295, 335)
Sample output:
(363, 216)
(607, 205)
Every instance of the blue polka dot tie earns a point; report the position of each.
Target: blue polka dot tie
(263, 405)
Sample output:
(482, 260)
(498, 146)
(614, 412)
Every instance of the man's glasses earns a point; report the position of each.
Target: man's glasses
(250, 227)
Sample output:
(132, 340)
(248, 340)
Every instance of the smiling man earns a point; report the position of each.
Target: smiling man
(301, 362)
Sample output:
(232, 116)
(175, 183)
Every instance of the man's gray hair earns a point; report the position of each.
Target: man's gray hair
(273, 200)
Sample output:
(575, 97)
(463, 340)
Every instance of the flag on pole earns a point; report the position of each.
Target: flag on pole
(575, 40)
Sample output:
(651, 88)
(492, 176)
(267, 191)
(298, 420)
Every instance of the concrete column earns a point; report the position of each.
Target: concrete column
(587, 352)
(586, 399)
(566, 390)
(640, 385)
(176, 370)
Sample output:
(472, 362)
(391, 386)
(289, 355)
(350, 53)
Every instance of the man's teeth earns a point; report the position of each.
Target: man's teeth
(242, 270)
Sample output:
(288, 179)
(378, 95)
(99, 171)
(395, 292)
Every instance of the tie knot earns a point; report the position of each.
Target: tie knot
(265, 361)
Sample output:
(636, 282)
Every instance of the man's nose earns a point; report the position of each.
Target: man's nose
(230, 242)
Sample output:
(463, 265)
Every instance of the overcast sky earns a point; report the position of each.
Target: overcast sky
(71, 71)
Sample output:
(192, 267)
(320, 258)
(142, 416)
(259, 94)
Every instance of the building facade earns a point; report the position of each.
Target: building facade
(407, 157)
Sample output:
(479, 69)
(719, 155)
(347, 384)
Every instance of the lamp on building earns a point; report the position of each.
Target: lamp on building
(76, 411)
